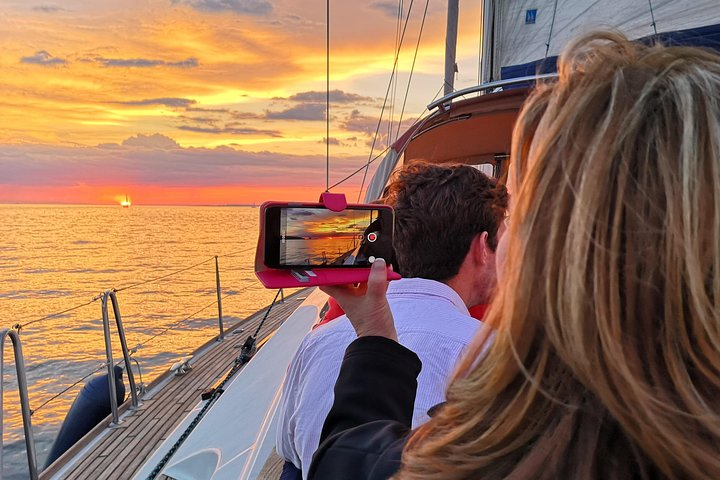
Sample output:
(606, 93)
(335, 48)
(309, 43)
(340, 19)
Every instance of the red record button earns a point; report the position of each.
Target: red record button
(372, 237)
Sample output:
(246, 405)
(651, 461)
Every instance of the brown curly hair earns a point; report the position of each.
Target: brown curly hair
(439, 209)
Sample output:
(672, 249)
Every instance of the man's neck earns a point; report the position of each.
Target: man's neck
(464, 290)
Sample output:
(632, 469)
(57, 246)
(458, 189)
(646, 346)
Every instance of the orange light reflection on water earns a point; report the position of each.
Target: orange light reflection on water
(56, 257)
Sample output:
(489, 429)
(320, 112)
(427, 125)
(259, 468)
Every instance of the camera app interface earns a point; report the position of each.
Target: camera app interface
(320, 237)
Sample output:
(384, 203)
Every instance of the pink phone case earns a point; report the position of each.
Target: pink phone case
(299, 278)
(313, 278)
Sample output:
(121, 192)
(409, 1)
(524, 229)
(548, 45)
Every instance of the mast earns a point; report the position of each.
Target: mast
(451, 46)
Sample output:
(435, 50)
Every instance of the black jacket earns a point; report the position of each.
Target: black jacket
(368, 425)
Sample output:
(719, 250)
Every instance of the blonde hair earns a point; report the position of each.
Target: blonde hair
(606, 360)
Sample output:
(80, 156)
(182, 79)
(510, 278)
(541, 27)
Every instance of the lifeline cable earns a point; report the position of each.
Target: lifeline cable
(144, 282)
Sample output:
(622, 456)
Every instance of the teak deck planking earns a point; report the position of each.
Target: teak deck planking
(126, 447)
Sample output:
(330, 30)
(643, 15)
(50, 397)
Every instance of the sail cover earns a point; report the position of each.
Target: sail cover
(524, 31)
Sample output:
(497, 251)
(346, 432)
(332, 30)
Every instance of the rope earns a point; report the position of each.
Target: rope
(145, 282)
(387, 92)
(652, 15)
(267, 313)
(242, 359)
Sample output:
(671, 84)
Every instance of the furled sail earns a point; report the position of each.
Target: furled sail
(524, 31)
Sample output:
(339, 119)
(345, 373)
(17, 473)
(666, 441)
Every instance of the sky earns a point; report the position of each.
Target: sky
(208, 101)
(302, 222)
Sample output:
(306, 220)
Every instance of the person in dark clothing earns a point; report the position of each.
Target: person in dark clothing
(369, 422)
(604, 361)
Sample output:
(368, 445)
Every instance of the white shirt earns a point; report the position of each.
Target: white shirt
(430, 319)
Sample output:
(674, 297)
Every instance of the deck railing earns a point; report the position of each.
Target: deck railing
(24, 398)
(109, 364)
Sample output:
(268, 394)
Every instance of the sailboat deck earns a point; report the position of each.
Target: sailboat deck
(118, 453)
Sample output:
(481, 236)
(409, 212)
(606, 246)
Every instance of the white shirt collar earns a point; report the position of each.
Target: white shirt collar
(425, 287)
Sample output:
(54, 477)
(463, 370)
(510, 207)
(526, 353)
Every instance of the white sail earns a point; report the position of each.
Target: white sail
(521, 29)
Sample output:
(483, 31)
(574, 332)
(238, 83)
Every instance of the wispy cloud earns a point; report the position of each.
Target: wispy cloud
(43, 58)
(305, 111)
(147, 164)
(357, 122)
(336, 96)
(386, 7)
(167, 102)
(243, 7)
(48, 9)
(156, 140)
(145, 62)
(231, 131)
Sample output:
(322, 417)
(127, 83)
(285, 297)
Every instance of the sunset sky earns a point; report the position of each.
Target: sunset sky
(323, 223)
(205, 101)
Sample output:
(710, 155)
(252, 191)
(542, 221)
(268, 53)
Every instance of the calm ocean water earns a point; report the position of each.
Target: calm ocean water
(56, 257)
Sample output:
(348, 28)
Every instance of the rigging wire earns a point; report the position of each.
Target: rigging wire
(421, 116)
(382, 110)
(480, 41)
(552, 25)
(652, 15)
(327, 97)
(412, 70)
(360, 169)
(391, 115)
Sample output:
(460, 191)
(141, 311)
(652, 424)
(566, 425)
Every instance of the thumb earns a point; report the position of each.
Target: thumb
(377, 280)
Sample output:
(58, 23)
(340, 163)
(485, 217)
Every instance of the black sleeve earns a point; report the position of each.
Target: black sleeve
(367, 427)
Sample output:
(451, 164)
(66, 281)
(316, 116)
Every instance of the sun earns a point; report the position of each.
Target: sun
(125, 202)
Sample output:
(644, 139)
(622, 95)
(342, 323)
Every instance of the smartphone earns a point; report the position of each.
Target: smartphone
(310, 236)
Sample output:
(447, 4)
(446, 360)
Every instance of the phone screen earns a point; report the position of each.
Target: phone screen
(318, 237)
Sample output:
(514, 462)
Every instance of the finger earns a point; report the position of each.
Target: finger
(336, 291)
(377, 281)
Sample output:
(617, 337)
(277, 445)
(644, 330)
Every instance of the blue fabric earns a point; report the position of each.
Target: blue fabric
(708, 37)
(290, 472)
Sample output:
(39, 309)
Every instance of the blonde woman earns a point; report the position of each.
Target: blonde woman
(606, 359)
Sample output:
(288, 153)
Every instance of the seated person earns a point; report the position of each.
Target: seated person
(448, 220)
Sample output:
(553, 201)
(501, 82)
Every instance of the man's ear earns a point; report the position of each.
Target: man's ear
(479, 247)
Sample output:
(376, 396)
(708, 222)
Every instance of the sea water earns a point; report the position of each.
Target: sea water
(53, 258)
